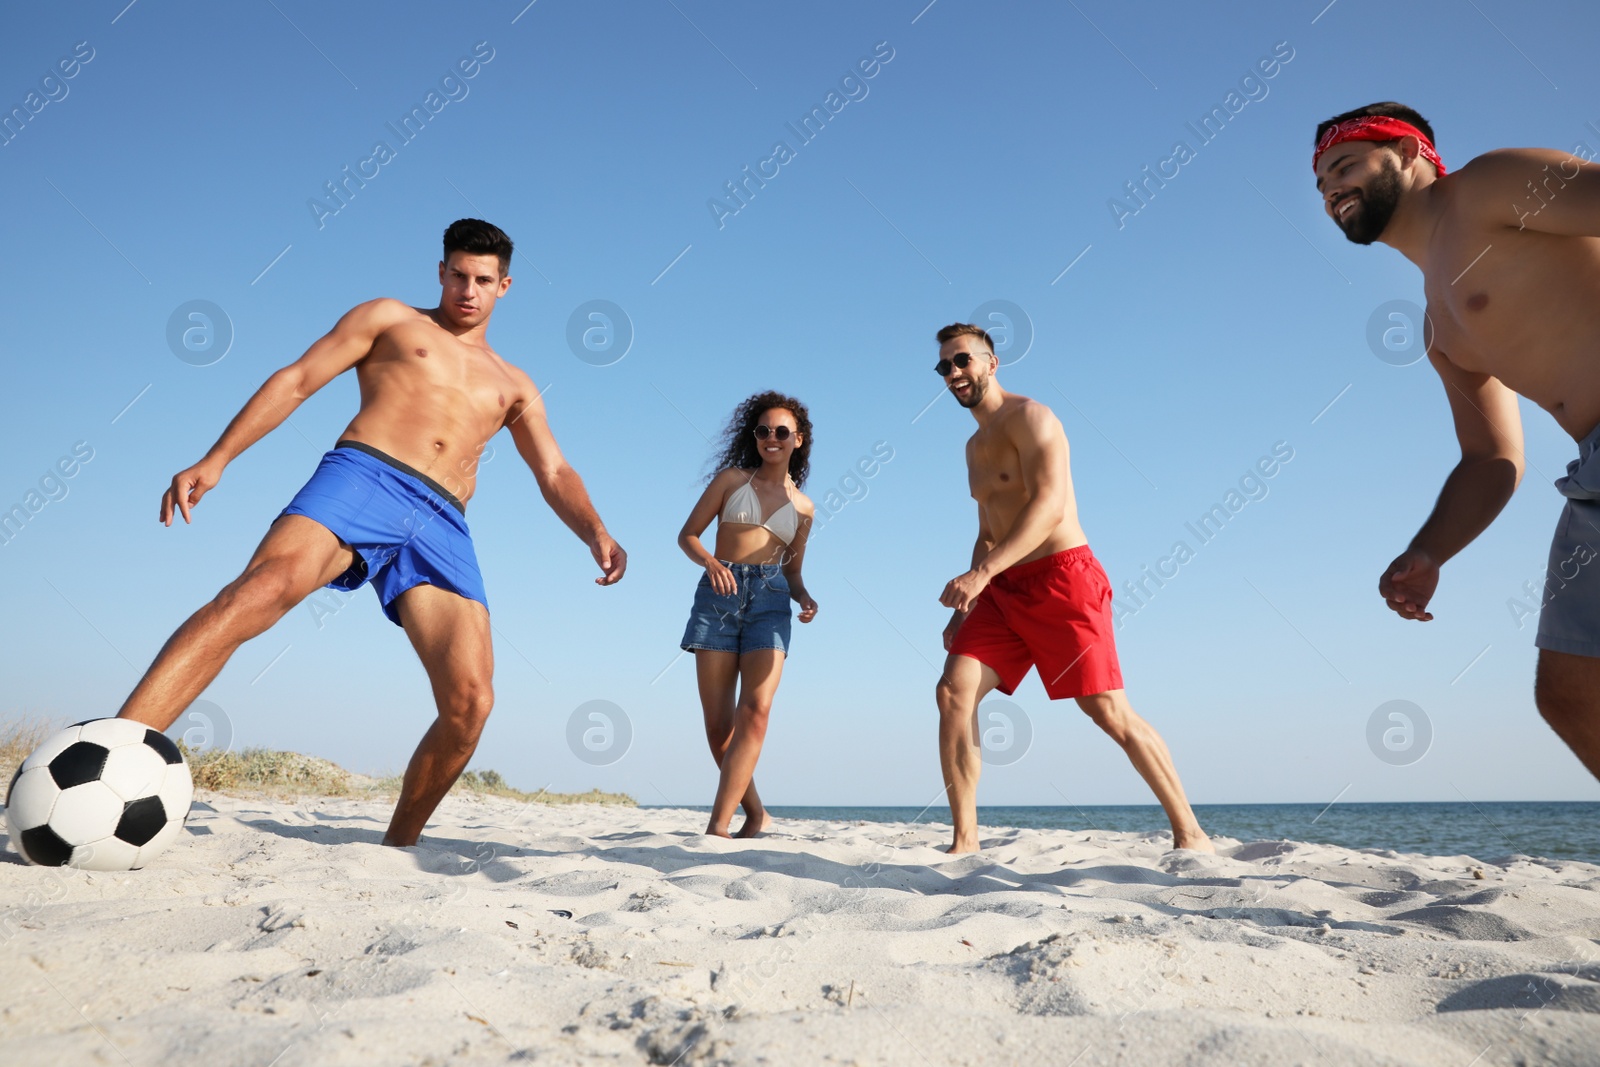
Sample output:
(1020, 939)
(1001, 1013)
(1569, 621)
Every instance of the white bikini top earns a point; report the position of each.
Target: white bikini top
(744, 507)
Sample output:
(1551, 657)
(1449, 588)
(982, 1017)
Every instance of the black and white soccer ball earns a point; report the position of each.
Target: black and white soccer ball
(104, 795)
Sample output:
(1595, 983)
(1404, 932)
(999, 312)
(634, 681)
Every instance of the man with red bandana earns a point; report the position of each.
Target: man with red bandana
(1509, 248)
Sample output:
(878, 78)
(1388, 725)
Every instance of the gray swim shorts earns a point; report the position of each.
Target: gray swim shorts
(1570, 619)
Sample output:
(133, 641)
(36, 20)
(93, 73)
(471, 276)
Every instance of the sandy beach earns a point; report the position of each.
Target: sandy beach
(280, 932)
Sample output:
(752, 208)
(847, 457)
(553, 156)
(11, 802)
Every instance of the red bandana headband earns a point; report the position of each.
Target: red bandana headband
(1377, 128)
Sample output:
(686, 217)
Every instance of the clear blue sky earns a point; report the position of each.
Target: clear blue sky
(1222, 318)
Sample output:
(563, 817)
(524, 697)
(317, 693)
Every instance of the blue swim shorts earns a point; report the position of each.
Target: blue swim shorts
(754, 617)
(1570, 619)
(406, 528)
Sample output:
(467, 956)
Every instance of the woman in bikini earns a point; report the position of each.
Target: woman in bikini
(739, 626)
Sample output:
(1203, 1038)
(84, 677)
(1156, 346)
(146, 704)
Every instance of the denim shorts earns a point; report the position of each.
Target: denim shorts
(754, 617)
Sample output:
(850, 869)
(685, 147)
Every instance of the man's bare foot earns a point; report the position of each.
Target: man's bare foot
(718, 831)
(755, 825)
(963, 844)
(392, 843)
(1195, 840)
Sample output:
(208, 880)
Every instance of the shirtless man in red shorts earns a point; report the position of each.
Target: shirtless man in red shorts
(1035, 594)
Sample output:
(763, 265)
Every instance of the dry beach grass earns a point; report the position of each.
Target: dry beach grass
(18, 738)
(272, 772)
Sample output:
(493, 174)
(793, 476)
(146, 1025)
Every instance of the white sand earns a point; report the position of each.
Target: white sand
(277, 933)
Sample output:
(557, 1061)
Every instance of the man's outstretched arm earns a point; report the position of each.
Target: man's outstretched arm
(340, 349)
(563, 490)
(1489, 428)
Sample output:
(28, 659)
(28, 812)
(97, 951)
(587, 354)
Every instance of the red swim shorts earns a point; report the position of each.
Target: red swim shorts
(1054, 612)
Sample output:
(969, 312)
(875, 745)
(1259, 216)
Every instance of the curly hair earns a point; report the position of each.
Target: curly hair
(738, 447)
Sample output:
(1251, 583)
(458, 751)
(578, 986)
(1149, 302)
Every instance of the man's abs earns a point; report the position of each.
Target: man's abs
(1002, 510)
(432, 402)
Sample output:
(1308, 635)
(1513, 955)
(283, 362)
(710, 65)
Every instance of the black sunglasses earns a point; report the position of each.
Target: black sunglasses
(780, 432)
(960, 360)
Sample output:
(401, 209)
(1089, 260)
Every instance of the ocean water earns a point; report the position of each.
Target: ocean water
(1485, 831)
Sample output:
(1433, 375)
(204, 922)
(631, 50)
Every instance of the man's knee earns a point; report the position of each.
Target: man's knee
(1107, 713)
(269, 589)
(469, 704)
(954, 699)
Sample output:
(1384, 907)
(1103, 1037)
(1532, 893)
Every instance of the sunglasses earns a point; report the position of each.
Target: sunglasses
(764, 432)
(959, 360)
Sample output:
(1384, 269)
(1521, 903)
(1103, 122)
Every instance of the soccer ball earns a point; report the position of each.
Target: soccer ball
(104, 795)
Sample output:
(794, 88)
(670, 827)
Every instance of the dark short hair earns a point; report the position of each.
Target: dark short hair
(478, 238)
(1386, 109)
(965, 329)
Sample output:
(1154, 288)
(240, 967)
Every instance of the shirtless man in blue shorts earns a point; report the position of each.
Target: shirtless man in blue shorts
(1509, 248)
(388, 505)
